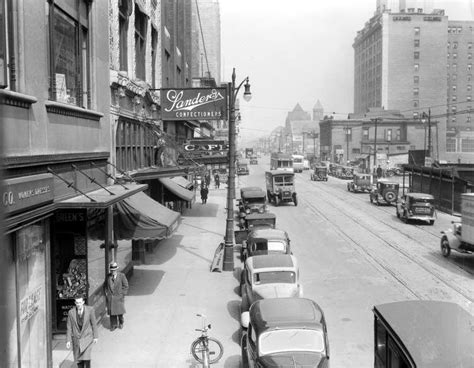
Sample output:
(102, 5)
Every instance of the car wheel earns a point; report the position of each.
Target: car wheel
(431, 222)
(398, 214)
(445, 248)
(405, 217)
(371, 200)
(277, 201)
(390, 196)
(295, 200)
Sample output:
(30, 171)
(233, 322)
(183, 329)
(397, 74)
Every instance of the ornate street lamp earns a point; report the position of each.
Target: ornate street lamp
(229, 240)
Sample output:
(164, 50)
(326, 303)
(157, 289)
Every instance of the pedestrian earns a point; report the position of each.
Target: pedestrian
(379, 172)
(204, 193)
(116, 287)
(81, 332)
(217, 180)
(208, 179)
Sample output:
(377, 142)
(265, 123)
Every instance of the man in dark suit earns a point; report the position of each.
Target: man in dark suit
(116, 287)
(82, 332)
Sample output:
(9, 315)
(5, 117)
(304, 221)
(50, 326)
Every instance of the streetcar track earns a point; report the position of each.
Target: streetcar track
(393, 246)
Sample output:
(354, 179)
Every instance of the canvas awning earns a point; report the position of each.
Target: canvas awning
(177, 189)
(186, 184)
(140, 217)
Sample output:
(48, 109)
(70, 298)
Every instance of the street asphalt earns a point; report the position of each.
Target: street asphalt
(165, 295)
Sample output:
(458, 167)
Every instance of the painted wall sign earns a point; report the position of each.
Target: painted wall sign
(28, 191)
(194, 103)
(29, 305)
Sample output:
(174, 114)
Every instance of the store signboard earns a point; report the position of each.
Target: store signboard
(194, 103)
(206, 146)
(30, 305)
(26, 192)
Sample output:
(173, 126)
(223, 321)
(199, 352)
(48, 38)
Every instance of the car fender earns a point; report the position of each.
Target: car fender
(453, 240)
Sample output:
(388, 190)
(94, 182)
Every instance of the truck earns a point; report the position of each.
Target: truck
(281, 161)
(298, 163)
(248, 152)
(461, 236)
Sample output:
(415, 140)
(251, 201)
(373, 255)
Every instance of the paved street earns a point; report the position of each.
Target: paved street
(166, 294)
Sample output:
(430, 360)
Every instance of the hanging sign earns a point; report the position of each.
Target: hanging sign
(194, 104)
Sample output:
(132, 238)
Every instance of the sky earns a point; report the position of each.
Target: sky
(297, 51)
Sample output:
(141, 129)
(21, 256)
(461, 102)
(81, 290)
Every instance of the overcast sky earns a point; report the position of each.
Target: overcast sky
(293, 52)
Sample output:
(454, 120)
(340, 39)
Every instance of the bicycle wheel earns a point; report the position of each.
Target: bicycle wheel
(214, 347)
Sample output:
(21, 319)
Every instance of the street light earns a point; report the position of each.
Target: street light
(426, 118)
(228, 264)
(348, 136)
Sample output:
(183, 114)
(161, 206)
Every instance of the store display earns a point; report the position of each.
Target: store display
(74, 281)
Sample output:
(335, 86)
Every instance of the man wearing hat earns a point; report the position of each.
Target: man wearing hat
(116, 287)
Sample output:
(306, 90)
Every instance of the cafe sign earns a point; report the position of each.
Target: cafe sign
(194, 103)
(206, 146)
(26, 192)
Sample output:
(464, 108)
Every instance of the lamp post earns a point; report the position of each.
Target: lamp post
(426, 118)
(228, 264)
(348, 135)
(375, 143)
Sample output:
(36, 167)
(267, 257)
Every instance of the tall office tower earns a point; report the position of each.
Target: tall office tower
(206, 40)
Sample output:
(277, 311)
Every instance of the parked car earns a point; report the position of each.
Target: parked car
(285, 332)
(254, 221)
(385, 192)
(416, 206)
(320, 173)
(360, 183)
(242, 169)
(252, 199)
(263, 241)
(280, 187)
(253, 160)
(269, 276)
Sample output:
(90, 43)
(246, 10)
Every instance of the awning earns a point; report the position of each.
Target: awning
(186, 184)
(140, 217)
(177, 189)
(152, 173)
(103, 198)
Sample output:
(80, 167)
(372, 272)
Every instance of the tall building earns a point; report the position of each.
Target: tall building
(400, 64)
(206, 40)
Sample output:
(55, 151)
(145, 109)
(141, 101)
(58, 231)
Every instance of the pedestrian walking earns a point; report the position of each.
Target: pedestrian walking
(208, 179)
(116, 287)
(379, 172)
(81, 332)
(217, 180)
(204, 193)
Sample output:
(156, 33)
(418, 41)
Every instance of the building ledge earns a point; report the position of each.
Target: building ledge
(71, 110)
(11, 98)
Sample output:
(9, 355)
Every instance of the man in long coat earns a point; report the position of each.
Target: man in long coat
(82, 332)
(116, 287)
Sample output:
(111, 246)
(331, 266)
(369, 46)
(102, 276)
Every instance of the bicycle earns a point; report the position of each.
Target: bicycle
(204, 346)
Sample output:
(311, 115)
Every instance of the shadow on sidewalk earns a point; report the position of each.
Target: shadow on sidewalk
(145, 282)
(202, 210)
(164, 251)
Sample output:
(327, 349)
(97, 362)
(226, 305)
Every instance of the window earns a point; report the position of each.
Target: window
(365, 134)
(417, 67)
(449, 45)
(415, 103)
(455, 67)
(454, 98)
(3, 46)
(417, 43)
(467, 145)
(154, 54)
(69, 74)
(455, 77)
(469, 88)
(455, 45)
(388, 136)
(140, 42)
(469, 98)
(450, 145)
(455, 55)
(469, 45)
(469, 56)
(416, 79)
(417, 31)
(468, 119)
(469, 77)
(416, 54)
(453, 109)
(454, 88)
(124, 12)
(398, 134)
(416, 92)
(469, 67)
(448, 55)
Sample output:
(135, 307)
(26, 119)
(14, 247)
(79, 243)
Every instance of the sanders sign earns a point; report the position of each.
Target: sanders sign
(194, 104)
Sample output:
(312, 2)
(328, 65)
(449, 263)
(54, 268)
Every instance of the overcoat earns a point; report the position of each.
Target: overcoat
(115, 292)
(82, 339)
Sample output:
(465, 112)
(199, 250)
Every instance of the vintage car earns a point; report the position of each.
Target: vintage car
(254, 221)
(385, 192)
(253, 160)
(320, 173)
(280, 186)
(285, 332)
(252, 199)
(263, 241)
(242, 169)
(416, 206)
(360, 183)
(269, 276)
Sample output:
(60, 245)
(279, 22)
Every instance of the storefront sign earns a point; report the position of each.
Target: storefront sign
(29, 305)
(400, 17)
(26, 192)
(206, 146)
(194, 103)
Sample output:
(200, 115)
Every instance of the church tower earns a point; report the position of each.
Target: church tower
(318, 112)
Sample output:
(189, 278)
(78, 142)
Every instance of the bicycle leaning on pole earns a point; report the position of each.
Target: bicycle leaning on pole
(204, 346)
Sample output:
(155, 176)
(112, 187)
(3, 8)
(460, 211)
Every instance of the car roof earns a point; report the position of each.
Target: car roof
(436, 334)
(387, 182)
(247, 189)
(257, 216)
(271, 261)
(280, 172)
(420, 195)
(268, 234)
(253, 194)
(284, 313)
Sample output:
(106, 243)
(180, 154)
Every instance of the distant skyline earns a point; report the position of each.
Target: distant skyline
(297, 52)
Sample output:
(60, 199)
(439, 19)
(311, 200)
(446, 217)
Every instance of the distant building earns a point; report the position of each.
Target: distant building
(411, 57)
(302, 130)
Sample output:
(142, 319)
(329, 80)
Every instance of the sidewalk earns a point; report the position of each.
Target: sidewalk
(166, 294)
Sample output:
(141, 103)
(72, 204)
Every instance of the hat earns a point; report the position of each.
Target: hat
(113, 266)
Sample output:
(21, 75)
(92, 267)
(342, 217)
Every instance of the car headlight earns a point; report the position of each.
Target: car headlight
(261, 210)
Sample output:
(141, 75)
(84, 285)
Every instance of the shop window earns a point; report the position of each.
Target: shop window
(140, 42)
(70, 57)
